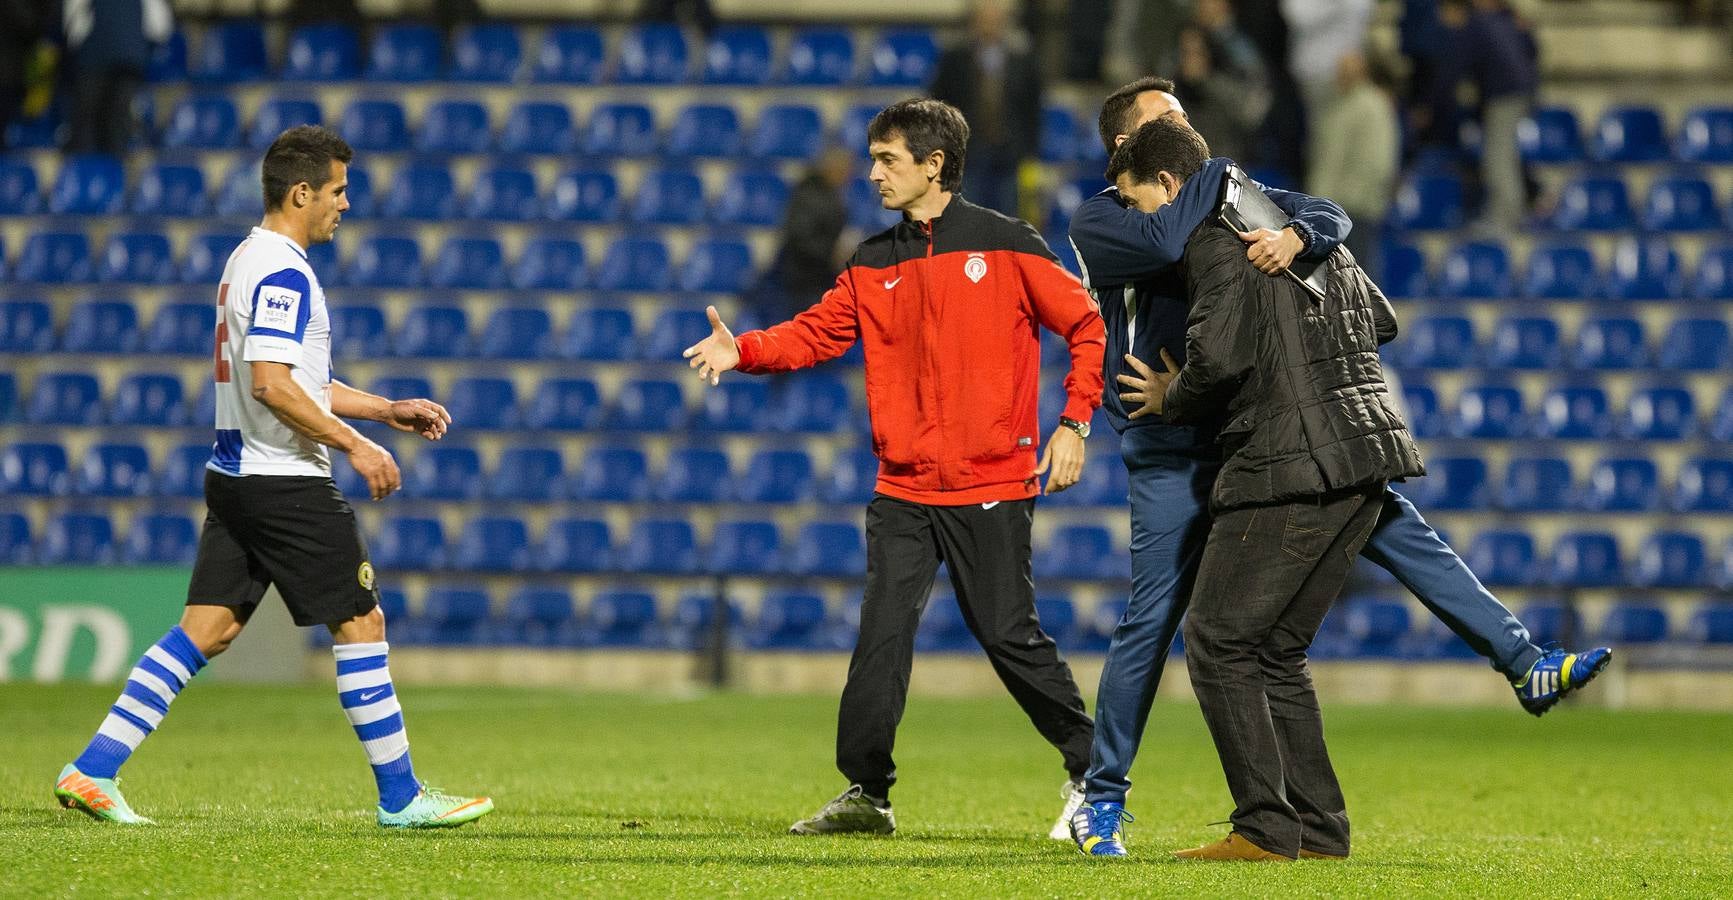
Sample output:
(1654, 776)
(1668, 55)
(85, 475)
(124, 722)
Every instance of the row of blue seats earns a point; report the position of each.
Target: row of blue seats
(1552, 134)
(1690, 343)
(1573, 412)
(635, 262)
(1546, 483)
(1592, 201)
(1641, 268)
(648, 53)
(1386, 629)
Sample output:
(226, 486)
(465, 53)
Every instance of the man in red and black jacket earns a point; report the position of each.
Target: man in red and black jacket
(948, 305)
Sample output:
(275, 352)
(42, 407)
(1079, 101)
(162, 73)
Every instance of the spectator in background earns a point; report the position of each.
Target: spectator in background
(1356, 151)
(1489, 49)
(22, 24)
(1280, 148)
(1320, 33)
(1218, 102)
(109, 44)
(812, 253)
(995, 80)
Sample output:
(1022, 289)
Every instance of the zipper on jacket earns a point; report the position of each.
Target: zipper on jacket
(932, 373)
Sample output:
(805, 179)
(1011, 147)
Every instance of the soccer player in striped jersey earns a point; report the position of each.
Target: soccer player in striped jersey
(275, 515)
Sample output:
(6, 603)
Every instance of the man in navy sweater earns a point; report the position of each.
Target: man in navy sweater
(1128, 258)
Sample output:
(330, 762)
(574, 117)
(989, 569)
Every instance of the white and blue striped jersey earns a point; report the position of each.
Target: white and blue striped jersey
(270, 308)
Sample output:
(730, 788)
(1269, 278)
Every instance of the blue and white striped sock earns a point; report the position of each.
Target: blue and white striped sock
(153, 684)
(364, 687)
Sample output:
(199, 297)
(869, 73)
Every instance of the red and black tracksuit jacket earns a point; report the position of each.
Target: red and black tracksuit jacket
(948, 312)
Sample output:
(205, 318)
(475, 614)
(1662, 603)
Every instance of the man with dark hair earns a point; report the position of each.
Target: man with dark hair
(276, 517)
(1311, 438)
(1128, 257)
(947, 304)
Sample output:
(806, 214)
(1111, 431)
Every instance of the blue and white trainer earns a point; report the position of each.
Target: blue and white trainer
(1099, 830)
(1558, 673)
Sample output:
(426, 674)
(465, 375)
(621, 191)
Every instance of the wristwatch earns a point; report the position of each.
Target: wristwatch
(1082, 428)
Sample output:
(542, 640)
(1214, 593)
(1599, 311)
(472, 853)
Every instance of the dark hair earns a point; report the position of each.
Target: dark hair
(1116, 109)
(303, 153)
(926, 125)
(1163, 145)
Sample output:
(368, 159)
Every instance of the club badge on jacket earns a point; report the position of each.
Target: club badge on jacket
(976, 267)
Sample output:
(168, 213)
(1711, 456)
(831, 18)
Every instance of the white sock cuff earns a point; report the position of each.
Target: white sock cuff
(359, 651)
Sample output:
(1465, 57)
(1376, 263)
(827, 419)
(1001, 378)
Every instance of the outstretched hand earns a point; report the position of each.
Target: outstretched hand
(715, 354)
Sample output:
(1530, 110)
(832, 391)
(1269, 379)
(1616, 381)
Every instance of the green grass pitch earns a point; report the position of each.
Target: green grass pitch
(263, 791)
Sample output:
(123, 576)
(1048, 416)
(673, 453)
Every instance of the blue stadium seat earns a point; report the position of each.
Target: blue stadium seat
(152, 401)
(1672, 559)
(660, 547)
(570, 54)
(1439, 342)
(137, 258)
(652, 53)
(35, 469)
(1429, 202)
(694, 475)
(167, 190)
(576, 545)
(323, 52)
(1080, 552)
(1560, 272)
(1704, 485)
(231, 51)
(26, 326)
(1696, 345)
(790, 620)
(443, 473)
(829, 550)
(852, 130)
(405, 52)
(1404, 271)
(486, 53)
(585, 195)
(705, 130)
(1634, 623)
(422, 191)
(505, 193)
(1646, 269)
(1537, 484)
(349, 482)
(1503, 558)
(674, 330)
(358, 332)
(468, 263)
(168, 60)
(360, 196)
(20, 192)
(454, 126)
(1550, 134)
(636, 264)
(1623, 485)
(114, 470)
(1420, 405)
(1629, 134)
(1453, 482)
(385, 261)
(1713, 624)
(1714, 278)
(1706, 135)
(1478, 270)
(203, 122)
(1660, 414)
(1551, 622)
(1574, 413)
(484, 403)
(744, 548)
(777, 476)
(65, 398)
(161, 539)
(517, 333)
(648, 405)
(613, 473)
(453, 615)
(1585, 559)
(738, 55)
(1594, 202)
(814, 401)
(1611, 342)
(718, 266)
(206, 256)
(1060, 134)
(1526, 342)
(1488, 411)
(88, 185)
(753, 199)
(1681, 203)
(852, 478)
(866, 209)
(943, 628)
(550, 264)
(8, 396)
(15, 539)
(820, 56)
(101, 326)
(790, 131)
(1378, 628)
(77, 539)
(669, 197)
(903, 58)
(732, 406)
(493, 544)
(183, 473)
(436, 332)
(539, 127)
(374, 125)
(240, 196)
(621, 619)
(540, 616)
(564, 404)
(402, 387)
(527, 474)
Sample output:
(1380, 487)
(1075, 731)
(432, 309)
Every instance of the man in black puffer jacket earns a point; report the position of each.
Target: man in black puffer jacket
(1310, 437)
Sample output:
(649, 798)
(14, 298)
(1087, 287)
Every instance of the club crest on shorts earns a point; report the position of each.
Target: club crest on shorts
(365, 576)
(976, 267)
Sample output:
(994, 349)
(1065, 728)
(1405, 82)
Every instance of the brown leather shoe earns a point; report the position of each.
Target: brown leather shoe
(1313, 854)
(1232, 848)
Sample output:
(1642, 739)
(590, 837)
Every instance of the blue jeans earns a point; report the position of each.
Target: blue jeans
(1170, 484)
